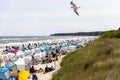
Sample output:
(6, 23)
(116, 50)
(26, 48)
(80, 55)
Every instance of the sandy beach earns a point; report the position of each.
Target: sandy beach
(46, 56)
(48, 76)
(1, 51)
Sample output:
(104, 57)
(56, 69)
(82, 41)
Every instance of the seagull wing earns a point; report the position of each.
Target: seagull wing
(76, 12)
(73, 4)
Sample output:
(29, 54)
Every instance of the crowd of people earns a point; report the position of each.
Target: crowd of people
(52, 51)
(43, 45)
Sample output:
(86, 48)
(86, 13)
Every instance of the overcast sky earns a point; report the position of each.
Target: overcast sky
(44, 17)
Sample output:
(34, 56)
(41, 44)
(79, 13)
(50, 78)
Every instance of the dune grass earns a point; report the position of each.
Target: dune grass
(111, 34)
(100, 60)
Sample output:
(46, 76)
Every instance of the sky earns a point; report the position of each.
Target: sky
(45, 17)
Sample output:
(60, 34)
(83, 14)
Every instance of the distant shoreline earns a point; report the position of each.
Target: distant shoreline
(96, 33)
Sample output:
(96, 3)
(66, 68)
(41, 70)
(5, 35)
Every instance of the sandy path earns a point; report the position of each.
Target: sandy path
(48, 76)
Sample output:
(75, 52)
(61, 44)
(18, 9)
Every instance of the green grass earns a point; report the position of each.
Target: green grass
(100, 60)
(111, 34)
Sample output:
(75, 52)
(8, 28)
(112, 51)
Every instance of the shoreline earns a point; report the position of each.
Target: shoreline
(19, 43)
(43, 53)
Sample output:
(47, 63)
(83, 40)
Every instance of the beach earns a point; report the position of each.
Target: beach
(48, 76)
(48, 53)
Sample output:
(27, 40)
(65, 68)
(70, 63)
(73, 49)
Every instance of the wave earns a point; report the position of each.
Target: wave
(19, 40)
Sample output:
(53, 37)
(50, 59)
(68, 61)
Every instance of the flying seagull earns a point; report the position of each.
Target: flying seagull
(75, 8)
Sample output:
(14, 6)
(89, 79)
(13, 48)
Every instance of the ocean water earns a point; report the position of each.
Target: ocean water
(19, 40)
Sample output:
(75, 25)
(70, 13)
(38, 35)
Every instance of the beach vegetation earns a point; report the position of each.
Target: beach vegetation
(100, 60)
(111, 34)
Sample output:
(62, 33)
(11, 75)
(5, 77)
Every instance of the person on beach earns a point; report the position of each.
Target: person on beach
(17, 74)
(8, 49)
(41, 70)
(29, 46)
(33, 59)
(23, 48)
(33, 73)
(46, 69)
(52, 68)
(49, 69)
(1, 62)
(12, 78)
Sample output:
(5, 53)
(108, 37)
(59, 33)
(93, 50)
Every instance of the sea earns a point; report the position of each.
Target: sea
(19, 40)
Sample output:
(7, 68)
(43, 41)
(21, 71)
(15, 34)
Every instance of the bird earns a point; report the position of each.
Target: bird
(75, 8)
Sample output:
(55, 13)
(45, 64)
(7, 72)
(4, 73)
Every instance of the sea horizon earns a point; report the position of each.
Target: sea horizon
(19, 40)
